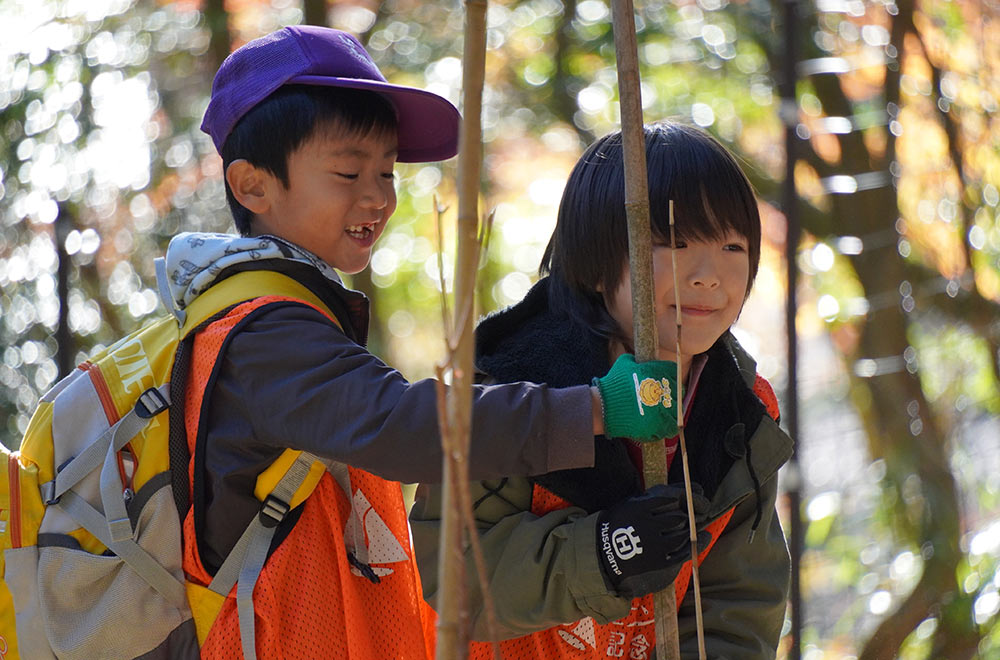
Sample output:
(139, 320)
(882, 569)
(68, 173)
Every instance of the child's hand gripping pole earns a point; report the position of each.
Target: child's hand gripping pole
(638, 399)
(644, 322)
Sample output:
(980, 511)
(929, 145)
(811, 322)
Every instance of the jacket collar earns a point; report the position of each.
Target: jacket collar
(196, 261)
(530, 341)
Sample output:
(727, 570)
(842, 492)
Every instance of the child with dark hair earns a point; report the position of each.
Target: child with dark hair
(573, 556)
(310, 132)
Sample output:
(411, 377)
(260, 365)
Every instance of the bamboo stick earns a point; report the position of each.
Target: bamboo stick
(643, 290)
(692, 531)
(451, 642)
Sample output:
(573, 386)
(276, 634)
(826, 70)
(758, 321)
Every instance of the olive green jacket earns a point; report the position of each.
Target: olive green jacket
(543, 570)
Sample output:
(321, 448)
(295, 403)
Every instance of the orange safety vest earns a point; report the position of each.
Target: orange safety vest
(632, 636)
(309, 602)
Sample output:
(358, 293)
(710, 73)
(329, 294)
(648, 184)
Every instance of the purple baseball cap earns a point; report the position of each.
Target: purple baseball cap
(310, 55)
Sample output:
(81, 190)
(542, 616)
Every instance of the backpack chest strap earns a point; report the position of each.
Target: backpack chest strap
(151, 403)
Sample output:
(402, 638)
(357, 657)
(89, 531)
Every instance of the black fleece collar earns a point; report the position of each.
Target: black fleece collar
(530, 341)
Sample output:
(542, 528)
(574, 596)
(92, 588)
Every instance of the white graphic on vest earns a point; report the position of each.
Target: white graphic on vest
(634, 615)
(616, 645)
(626, 542)
(370, 540)
(639, 649)
(582, 634)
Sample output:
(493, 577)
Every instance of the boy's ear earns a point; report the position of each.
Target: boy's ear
(249, 185)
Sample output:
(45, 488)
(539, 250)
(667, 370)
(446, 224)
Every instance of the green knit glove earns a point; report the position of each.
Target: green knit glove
(639, 399)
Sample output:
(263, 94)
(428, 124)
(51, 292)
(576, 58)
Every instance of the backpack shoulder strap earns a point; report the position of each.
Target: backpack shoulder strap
(294, 474)
(244, 286)
(246, 560)
(216, 300)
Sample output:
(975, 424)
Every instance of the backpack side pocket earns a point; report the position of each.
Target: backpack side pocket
(84, 605)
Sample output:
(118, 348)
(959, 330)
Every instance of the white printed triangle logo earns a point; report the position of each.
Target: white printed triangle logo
(370, 539)
(582, 633)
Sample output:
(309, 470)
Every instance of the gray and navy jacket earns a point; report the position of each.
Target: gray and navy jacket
(290, 378)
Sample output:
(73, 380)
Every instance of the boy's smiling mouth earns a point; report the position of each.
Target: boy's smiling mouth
(363, 232)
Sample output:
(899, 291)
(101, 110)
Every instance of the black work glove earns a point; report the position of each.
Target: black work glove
(643, 541)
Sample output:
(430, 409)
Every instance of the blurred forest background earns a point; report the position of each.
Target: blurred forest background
(898, 174)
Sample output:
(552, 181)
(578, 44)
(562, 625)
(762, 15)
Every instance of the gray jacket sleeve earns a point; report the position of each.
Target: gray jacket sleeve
(541, 570)
(295, 380)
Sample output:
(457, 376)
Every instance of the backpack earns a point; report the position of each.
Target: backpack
(91, 505)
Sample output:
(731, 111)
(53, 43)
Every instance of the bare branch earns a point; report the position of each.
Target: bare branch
(452, 641)
(884, 643)
(445, 313)
(682, 441)
(641, 277)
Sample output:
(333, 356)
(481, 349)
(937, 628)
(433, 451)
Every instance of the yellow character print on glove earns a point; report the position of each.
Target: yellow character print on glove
(651, 392)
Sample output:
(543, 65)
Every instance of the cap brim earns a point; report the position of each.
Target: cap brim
(428, 124)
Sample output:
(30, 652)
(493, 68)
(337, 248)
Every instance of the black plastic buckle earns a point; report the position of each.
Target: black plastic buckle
(151, 403)
(273, 511)
(363, 568)
(48, 493)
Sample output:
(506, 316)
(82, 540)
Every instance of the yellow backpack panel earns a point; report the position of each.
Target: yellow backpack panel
(89, 529)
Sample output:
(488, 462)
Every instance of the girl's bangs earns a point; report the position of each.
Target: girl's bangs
(720, 202)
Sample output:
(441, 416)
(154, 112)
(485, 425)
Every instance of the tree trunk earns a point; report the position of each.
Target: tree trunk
(902, 427)
(314, 12)
(564, 94)
(220, 42)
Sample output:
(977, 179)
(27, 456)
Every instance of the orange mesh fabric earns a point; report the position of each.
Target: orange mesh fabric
(205, 353)
(309, 604)
(631, 637)
(684, 576)
(545, 501)
(763, 390)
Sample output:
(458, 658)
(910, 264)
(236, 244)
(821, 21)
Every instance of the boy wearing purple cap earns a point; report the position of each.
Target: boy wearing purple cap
(309, 133)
